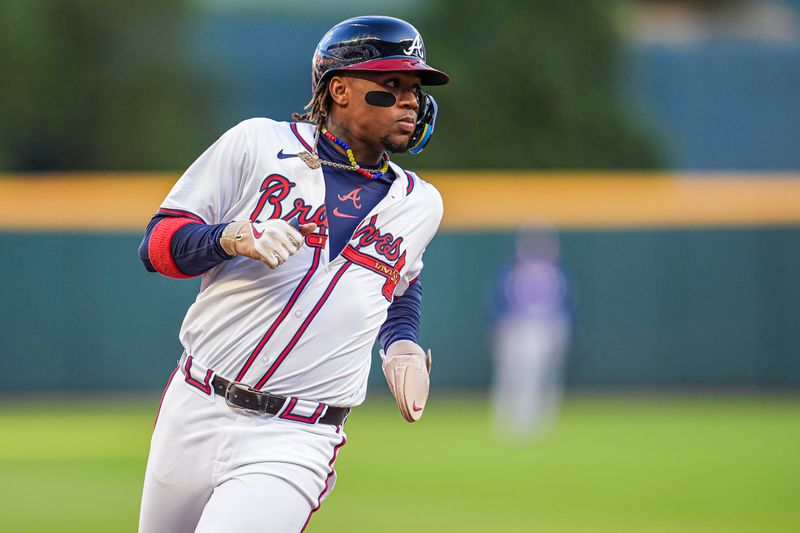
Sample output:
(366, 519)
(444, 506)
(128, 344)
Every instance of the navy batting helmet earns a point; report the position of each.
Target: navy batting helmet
(383, 44)
(375, 43)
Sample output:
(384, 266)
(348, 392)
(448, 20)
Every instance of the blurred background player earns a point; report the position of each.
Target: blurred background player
(531, 335)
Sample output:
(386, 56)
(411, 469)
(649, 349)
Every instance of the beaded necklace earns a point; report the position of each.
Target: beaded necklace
(369, 174)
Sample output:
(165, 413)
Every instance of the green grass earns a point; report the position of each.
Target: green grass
(611, 464)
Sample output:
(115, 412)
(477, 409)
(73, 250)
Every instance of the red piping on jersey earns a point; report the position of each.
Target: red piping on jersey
(205, 386)
(302, 329)
(327, 479)
(410, 183)
(316, 240)
(390, 272)
(293, 125)
(158, 249)
(282, 315)
(287, 413)
(180, 213)
(160, 402)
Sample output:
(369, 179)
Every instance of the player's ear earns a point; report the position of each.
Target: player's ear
(339, 90)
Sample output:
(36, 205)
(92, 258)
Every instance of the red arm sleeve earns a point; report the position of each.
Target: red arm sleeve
(159, 247)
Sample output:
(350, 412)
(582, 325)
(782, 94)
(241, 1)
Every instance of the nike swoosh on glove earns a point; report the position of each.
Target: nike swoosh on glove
(407, 370)
(271, 242)
(275, 241)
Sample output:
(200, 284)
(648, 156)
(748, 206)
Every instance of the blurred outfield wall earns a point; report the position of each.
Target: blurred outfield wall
(676, 280)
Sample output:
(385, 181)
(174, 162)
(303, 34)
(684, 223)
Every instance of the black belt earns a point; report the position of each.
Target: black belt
(242, 396)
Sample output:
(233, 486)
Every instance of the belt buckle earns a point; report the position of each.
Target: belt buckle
(234, 385)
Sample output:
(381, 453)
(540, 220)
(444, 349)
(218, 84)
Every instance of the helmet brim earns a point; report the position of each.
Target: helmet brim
(428, 75)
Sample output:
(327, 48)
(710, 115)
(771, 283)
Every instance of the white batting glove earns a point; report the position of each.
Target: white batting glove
(271, 242)
(275, 241)
(407, 370)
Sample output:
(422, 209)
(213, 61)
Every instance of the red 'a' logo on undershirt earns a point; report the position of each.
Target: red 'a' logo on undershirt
(353, 196)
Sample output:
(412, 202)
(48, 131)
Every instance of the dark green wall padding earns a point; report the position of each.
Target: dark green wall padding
(672, 308)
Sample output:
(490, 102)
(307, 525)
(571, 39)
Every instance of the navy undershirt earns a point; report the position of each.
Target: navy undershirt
(349, 197)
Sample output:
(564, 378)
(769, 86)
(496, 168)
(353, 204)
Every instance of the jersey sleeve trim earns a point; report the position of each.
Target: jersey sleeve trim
(159, 248)
(181, 213)
(307, 146)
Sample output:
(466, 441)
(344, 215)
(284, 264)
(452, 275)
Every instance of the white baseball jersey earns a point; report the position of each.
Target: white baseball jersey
(305, 329)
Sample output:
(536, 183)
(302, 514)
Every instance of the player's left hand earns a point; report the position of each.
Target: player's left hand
(407, 370)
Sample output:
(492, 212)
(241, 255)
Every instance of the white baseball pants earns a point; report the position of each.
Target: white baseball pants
(213, 468)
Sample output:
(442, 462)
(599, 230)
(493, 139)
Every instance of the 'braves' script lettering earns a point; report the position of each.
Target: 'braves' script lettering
(274, 189)
(301, 210)
(385, 243)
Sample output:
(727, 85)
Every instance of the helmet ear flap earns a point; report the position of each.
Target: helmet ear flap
(426, 120)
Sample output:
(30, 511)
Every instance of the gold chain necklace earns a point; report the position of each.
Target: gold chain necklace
(313, 160)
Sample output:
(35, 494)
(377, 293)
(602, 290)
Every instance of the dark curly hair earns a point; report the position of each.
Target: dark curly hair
(318, 108)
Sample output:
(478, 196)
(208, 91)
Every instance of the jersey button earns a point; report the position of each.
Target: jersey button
(298, 313)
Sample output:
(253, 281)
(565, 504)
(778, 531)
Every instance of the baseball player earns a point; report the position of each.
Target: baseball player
(309, 240)
(532, 323)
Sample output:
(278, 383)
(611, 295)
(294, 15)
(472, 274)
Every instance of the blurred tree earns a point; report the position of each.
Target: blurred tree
(98, 84)
(534, 85)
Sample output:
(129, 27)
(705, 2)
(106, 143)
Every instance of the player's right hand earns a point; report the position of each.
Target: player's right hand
(271, 242)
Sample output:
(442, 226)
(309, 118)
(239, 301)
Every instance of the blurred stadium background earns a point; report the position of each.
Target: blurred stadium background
(660, 138)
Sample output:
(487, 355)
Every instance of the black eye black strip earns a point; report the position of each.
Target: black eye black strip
(380, 98)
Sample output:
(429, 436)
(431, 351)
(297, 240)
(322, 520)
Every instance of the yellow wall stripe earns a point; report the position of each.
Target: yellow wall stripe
(608, 200)
(473, 200)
